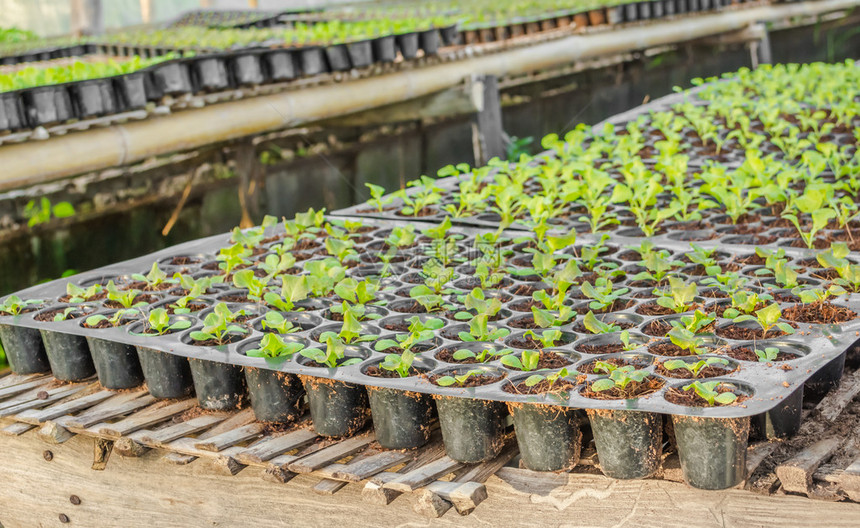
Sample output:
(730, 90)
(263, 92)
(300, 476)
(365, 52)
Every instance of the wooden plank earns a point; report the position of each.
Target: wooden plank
(243, 417)
(277, 470)
(117, 406)
(13, 389)
(375, 493)
(178, 459)
(330, 454)
(795, 474)
(192, 495)
(424, 475)
(756, 454)
(17, 428)
(53, 433)
(329, 486)
(173, 432)
(850, 478)
(144, 418)
(358, 470)
(53, 396)
(11, 379)
(230, 438)
(834, 403)
(36, 417)
(272, 446)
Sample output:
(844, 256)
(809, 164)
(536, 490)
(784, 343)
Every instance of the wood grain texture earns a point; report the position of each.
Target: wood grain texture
(147, 489)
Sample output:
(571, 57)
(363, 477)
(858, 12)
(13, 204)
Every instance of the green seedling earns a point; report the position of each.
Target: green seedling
(350, 330)
(596, 326)
(768, 354)
(218, 326)
(620, 378)
(63, 315)
(528, 360)
(278, 323)
(246, 279)
(159, 323)
(447, 381)
(294, 288)
(154, 279)
(679, 297)
(686, 340)
(78, 295)
(485, 355)
(547, 338)
(377, 199)
(125, 298)
(694, 368)
(116, 319)
(602, 294)
(419, 332)
(334, 355)
(767, 318)
(551, 379)
(13, 305)
(707, 390)
(273, 346)
(399, 363)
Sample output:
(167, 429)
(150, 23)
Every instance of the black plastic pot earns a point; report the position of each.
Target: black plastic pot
(131, 91)
(151, 87)
(408, 45)
(471, 429)
(24, 349)
(631, 13)
(211, 73)
(656, 8)
(247, 69)
(337, 57)
(360, 53)
(644, 10)
(167, 376)
(693, 6)
(450, 35)
(116, 364)
(172, 78)
(827, 377)
(669, 7)
(218, 386)
(713, 450)
(401, 419)
(548, 436)
(10, 111)
(429, 41)
(629, 443)
(275, 396)
(680, 6)
(47, 104)
(384, 49)
(337, 408)
(312, 61)
(782, 421)
(280, 65)
(93, 97)
(68, 355)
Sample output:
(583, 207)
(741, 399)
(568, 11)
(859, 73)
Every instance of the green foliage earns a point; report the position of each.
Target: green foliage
(707, 390)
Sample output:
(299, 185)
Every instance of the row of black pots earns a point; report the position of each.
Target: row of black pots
(75, 50)
(45, 105)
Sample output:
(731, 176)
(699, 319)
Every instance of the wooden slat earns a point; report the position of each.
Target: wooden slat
(375, 493)
(834, 403)
(144, 418)
(795, 474)
(330, 454)
(17, 428)
(270, 447)
(230, 438)
(36, 417)
(54, 396)
(119, 405)
(173, 432)
(424, 475)
(239, 419)
(358, 470)
(12, 379)
(14, 389)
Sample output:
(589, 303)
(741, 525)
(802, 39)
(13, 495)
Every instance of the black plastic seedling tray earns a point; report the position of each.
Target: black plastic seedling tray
(767, 384)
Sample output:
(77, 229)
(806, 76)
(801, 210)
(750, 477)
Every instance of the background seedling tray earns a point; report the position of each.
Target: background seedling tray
(767, 383)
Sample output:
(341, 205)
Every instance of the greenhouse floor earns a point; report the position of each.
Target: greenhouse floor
(101, 458)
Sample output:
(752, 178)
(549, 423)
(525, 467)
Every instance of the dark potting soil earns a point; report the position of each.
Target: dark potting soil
(194, 307)
(527, 290)
(741, 333)
(667, 348)
(819, 313)
(447, 355)
(184, 261)
(97, 297)
(531, 343)
(526, 322)
(657, 328)
(623, 325)
(229, 338)
(378, 372)
(748, 354)
(148, 299)
(473, 381)
(719, 309)
(418, 348)
(49, 316)
(426, 211)
(751, 260)
(236, 298)
(616, 306)
(142, 286)
(714, 294)
(541, 387)
(588, 368)
(634, 389)
(682, 373)
(652, 308)
(104, 323)
(550, 360)
(689, 398)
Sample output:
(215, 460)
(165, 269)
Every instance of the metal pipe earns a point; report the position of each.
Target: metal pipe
(97, 149)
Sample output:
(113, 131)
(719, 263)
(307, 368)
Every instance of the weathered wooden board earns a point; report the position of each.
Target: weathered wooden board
(131, 490)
